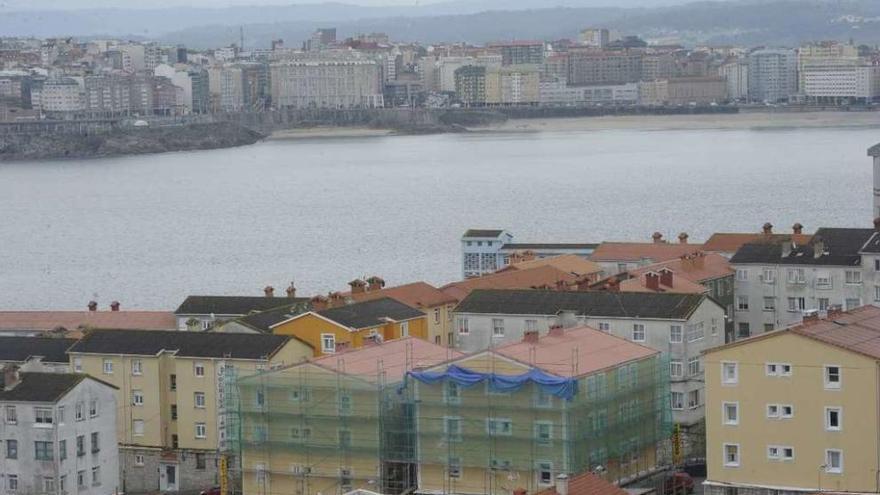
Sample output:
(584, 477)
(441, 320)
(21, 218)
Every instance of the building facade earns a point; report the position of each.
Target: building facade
(772, 75)
(326, 83)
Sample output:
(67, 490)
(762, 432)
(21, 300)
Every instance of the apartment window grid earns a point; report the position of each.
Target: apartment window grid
(638, 332)
(694, 368)
(675, 334)
(676, 368)
(463, 326)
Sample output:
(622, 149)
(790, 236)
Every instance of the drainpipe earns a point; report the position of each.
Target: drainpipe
(877, 394)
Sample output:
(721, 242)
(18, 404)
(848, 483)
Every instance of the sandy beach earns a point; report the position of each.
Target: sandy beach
(329, 132)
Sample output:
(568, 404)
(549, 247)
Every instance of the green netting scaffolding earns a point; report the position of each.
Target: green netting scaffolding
(309, 429)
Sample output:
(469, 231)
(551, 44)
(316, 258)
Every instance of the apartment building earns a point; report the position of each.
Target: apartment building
(772, 75)
(856, 84)
(824, 55)
(488, 250)
(557, 92)
(680, 326)
(470, 85)
(728, 243)
(57, 434)
(874, 153)
(171, 397)
(203, 312)
(62, 95)
(520, 52)
(326, 83)
(590, 66)
(777, 282)
(736, 73)
(512, 85)
(693, 90)
(47, 353)
(621, 257)
(796, 411)
(512, 419)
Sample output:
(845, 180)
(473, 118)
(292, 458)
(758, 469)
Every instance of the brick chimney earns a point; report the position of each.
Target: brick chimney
(530, 336)
(269, 291)
(376, 283)
(797, 228)
(336, 299)
(11, 378)
(768, 228)
(657, 237)
(652, 281)
(114, 306)
(291, 291)
(683, 238)
(358, 286)
(319, 303)
(834, 311)
(666, 277)
(93, 305)
(562, 484)
(556, 331)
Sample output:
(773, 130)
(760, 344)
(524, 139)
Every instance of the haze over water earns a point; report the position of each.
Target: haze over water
(149, 230)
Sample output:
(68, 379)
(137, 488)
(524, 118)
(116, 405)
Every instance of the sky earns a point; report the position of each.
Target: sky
(84, 4)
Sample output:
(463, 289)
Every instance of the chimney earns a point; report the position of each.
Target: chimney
(336, 299)
(342, 347)
(319, 303)
(834, 311)
(877, 224)
(520, 491)
(11, 377)
(114, 306)
(768, 228)
(666, 277)
(358, 286)
(530, 336)
(376, 283)
(652, 281)
(528, 255)
(797, 228)
(93, 305)
(291, 291)
(811, 317)
(683, 238)
(562, 484)
(269, 291)
(657, 237)
(556, 331)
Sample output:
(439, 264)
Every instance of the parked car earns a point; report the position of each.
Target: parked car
(211, 491)
(679, 483)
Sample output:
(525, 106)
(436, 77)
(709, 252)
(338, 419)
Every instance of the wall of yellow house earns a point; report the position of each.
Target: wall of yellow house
(805, 431)
(439, 323)
(310, 328)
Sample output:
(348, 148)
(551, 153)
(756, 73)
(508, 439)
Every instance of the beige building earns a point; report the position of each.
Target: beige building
(824, 55)
(326, 83)
(699, 90)
(171, 395)
(796, 410)
(512, 85)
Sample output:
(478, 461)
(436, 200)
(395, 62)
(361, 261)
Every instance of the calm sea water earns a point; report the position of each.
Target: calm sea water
(148, 230)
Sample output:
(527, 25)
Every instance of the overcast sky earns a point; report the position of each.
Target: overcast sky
(81, 4)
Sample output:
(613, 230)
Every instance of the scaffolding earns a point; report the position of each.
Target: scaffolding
(314, 429)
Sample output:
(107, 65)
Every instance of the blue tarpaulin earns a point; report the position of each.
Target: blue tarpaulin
(565, 388)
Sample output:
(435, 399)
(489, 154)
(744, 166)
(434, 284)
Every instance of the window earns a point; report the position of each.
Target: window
(139, 460)
(731, 455)
(677, 400)
(833, 418)
(200, 461)
(638, 334)
(544, 432)
(694, 366)
(769, 276)
(853, 277)
(604, 326)
(621, 267)
(454, 470)
(834, 461)
(545, 473)
(743, 330)
(787, 453)
(729, 373)
(499, 427)
(463, 327)
(742, 303)
(452, 393)
(852, 303)
(260, 398)
(93, 408)
(108, 367)
(675, 334)
(300, 395)
(676, 368)
(77, 365)
(695, 332)
(796, 304)
(81, 479)
(344, 406)
(772, 411)
(328, 343)
(774, 452)
(742, 275)
(832, 377)
(404, 329)
(877, 265)
(62, 484)
(694, 399)
(199, 400)
(12, 449)
(62, 450)
(12, 482)
(172, 382)
(452, 428)
(344, 437)
(137, 427)
(876, 293)
(796, 276)
(43, 451)
(823, 280)
(596, 387)
(137, 398)
(137, 367)
(786, 411)
(11, 415)
(199, 369)
(769, 304)
(731, 413)
(96, 475)
(531, 325)
(768, 327)
(96, 444)
(778, 369)
(497, 327)
(302, 434)
(824, 303)
(48, 484)
(201, 431)
(436, 315)
(80, 445)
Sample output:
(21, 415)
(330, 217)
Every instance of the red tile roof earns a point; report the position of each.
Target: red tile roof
(515, 279)
(697, 267)
(680, 285)
(857, 330)
(587, 484)
(394, 358)
(731, 242)
(570, 263)
(416, 294)
(576, 352)
(637, 251)
(44, 321)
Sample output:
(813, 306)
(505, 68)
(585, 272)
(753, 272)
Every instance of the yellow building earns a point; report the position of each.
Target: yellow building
(350, 326)
(796, 410)
(333, 424)
(171, 421)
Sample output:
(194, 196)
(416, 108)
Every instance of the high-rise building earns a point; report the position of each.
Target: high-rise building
(521, 52)
(326, 83)
(824, 55)
(772, 75)
(841, 83)
(512, 85)
(470, 85)
(587, 66)
(737, 74)
(597, 38)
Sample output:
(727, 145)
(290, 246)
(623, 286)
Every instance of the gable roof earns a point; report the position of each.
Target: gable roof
(263, 321)
(184, 344)
(697, 267)
(569, 263)
(232, 305)
(485, 233)
(45, 321)
(516, 279)
(44, 387)
(416, 294)
(840, 247)
(637, 251)
(873, 244)
(575, 352)
(370, 313)
(587, 484)
(680, 285)
(730, 242)
(588, 303)
(19, 349)
(394, 357)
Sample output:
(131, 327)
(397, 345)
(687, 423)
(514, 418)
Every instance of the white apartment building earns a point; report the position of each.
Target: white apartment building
(680, 326)
(776, 284)
(62, 95)
(835, 83)
(874, 153)
(326, 83)
(486, 251)
(57, 434)
(445, 68)
(737, 74)
(559, 93)
(824, 55)
(180, 79)
(772, 75)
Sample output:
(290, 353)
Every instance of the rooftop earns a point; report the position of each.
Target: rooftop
(680, 285)
(231, 305)
(587, 484)
(264, 320)
(42, 387)
(731, 242)
(576, 352)
(696, 267)
(592, 303)
(839, 247)
(483, 233)
(515, 279)
(638, 251)
(416, 294)
(371, 313)
(184, 344)
(46, 321)
(570, 263)
(394, 358)
(545, 245)
(20, 349)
